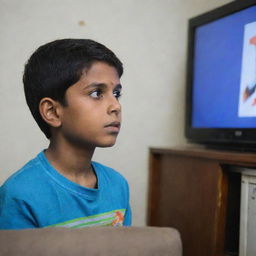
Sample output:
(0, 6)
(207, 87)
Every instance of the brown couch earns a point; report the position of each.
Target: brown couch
(98, 241)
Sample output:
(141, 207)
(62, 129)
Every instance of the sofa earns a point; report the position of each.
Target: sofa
(98, 241)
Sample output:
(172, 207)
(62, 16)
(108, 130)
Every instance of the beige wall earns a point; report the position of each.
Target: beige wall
(150, 38)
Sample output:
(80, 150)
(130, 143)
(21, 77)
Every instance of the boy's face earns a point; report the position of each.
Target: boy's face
(92, 117)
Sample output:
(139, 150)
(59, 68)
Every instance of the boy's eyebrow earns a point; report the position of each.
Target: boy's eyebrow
(101, 85)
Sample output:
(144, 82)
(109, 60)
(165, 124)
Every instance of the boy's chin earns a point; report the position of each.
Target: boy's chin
(107, 144)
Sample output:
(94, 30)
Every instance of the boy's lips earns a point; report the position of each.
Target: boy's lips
(113, 126)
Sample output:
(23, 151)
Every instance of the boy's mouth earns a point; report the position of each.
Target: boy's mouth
(113, 126)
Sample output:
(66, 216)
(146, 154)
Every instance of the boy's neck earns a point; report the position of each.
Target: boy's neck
(73, 163)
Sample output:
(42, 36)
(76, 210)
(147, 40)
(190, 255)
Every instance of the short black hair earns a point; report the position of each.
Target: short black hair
(57, 65)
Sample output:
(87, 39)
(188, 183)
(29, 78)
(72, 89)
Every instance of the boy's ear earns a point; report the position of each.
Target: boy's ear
(50, 111)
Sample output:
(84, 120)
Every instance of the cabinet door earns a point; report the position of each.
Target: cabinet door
(189, 193)
(248, 213)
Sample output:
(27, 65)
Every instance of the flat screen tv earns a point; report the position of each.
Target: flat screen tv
(221, 77)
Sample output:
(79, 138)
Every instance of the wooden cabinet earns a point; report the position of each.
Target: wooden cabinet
(195, 191)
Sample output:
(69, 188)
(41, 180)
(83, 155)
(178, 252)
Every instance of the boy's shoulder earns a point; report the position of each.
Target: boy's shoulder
(34, 178)
(22, 180)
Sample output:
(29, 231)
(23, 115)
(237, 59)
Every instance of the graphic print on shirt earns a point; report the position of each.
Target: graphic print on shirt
(113, 218)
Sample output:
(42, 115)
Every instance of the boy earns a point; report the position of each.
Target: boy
(72, 87)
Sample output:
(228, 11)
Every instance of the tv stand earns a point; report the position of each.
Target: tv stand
(195, 190)
(232, 147)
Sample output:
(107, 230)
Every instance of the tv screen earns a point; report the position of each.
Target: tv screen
(221, 89)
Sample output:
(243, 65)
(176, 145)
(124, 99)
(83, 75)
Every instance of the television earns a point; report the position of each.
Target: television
(221, 77)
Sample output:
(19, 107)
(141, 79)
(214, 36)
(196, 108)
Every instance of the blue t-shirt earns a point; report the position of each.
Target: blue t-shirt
(38, 196)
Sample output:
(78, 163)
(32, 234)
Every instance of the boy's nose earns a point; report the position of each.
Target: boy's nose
(114, 107)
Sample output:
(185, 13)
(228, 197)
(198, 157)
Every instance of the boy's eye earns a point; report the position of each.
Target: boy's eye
(117, 94)
(96, 94)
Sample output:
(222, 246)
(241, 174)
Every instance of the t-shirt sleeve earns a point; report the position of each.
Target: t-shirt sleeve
(128, 217)
(128, 212)
(14, 213)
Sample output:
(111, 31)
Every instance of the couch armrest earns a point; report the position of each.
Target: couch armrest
(107, 241)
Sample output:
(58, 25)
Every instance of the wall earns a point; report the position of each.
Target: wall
(150, 38)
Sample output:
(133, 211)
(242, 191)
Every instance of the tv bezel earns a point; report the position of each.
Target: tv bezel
(237, 137)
